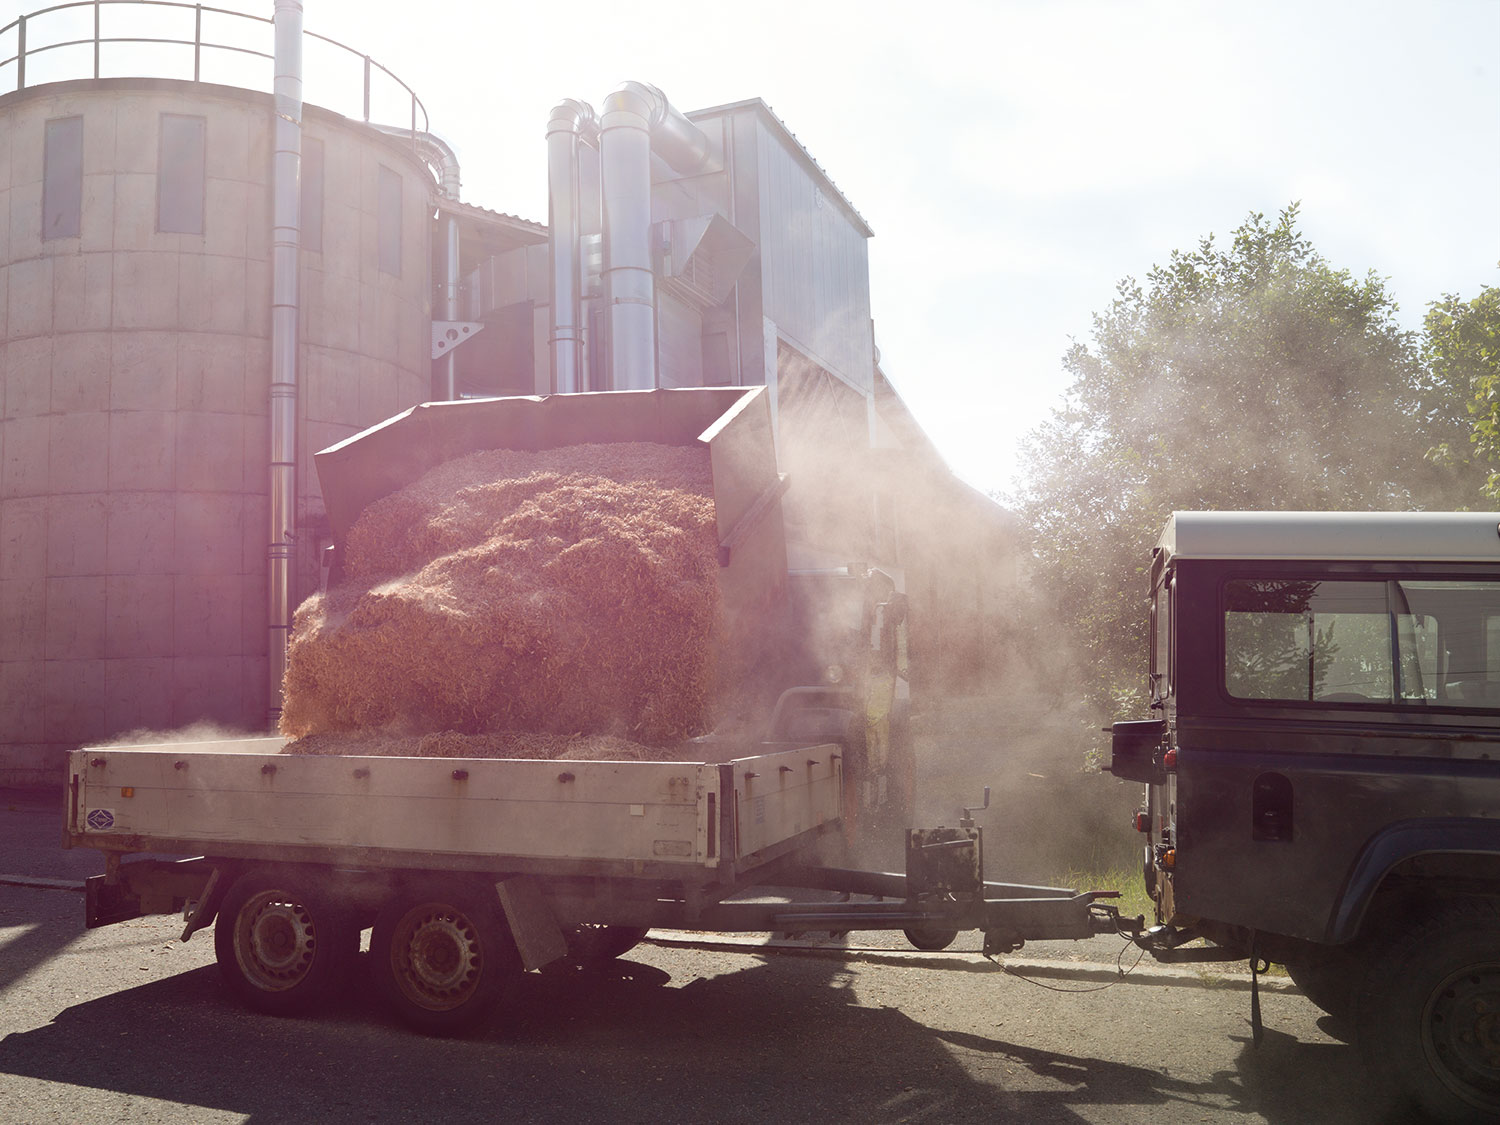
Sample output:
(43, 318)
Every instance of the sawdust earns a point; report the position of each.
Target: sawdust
(531, 745)
(566, 592)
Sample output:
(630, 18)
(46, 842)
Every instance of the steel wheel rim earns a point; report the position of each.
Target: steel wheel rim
(436, 957)
(1461, 1034)
(276, 941)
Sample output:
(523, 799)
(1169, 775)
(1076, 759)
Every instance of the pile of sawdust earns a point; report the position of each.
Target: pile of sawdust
(513, 744)
(567, 591)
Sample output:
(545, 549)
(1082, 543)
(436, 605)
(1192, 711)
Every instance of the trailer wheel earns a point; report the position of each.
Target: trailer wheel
(1428, 1012)
(442, 954)
(282, 941)
(593, 946)
(930, 941)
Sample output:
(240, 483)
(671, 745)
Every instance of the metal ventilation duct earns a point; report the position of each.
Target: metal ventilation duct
(637, 120)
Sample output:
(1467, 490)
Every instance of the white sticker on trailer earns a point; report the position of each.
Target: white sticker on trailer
(101, 820)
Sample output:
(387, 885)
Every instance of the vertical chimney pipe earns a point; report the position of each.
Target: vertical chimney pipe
(572, 124)
(286, 169)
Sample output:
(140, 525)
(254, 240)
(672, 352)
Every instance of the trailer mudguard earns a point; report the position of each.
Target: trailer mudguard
(1396, 844)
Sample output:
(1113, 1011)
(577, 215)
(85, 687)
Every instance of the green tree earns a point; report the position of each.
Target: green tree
(1461, 386)
(1255, 376)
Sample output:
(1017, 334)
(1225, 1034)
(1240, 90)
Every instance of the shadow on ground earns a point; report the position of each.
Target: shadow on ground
(785, 1040)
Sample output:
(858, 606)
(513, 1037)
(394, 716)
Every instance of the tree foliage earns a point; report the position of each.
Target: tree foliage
(1461, 384)
(1252, 376)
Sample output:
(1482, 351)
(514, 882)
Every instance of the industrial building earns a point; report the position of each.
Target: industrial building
(203, 282)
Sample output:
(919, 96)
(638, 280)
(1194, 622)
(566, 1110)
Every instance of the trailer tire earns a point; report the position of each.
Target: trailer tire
(1426, 1012)
(442, 954)
(930, 941)
(283, 942)
(594, 946)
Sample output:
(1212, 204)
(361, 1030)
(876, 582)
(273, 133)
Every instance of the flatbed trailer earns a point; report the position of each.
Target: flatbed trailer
(471, 871)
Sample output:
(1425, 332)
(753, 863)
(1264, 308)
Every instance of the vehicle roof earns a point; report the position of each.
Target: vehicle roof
(1358, 536)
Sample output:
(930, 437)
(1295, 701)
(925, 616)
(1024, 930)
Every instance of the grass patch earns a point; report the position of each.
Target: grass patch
(1133, 899)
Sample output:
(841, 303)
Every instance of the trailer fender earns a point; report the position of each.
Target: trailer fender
(533, 926)
(1396, 844)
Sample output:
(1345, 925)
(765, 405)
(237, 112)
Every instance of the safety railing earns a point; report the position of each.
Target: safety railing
(109, 39)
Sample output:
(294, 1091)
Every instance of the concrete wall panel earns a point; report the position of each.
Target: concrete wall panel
(139, 616)
(138, 695)
(208, 611)
(73, 702)
(143, 451)
(141, 532)
(23, 618)
(21, 687)
(76, 536)
(23, 537)
(82, 292)
(29, 301)
(145, 290)
(143, 370)
(206, 533)
(23, 472)
(75, 617)
(28, 362)
(78, 448)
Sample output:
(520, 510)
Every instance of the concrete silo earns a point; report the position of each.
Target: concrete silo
(136, 253)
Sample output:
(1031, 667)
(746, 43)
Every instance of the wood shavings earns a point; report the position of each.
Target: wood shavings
(562, 592)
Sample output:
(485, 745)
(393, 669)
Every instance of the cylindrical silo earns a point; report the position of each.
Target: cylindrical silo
(135, 322)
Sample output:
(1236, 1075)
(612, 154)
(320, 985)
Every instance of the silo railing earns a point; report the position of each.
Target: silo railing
(70, 41)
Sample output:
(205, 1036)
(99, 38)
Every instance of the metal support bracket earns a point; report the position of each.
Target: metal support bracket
(448, 334)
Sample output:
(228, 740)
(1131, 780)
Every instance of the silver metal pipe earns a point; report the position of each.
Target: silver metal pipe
(629, 282)
(638, 120)
(572, 124)
(286, 168)
(450, 304)
(674, 138)
(434, 151)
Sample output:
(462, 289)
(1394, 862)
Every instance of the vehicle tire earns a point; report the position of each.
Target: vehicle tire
(442, 954)
(1428, 1013)
(929, 940)
(283, 941)
(1329, 976)
(592, 946)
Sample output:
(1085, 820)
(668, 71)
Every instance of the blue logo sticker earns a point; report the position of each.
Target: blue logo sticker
(101, 819)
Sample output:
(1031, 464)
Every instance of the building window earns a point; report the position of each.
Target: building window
(62, 178)
(388, 221)
(310, 235)
(180, 174)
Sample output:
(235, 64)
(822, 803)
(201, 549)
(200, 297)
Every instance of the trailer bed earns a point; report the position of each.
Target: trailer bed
(698, 822)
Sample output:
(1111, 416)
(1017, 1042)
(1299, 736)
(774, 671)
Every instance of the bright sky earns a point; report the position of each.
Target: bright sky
(1016, 158)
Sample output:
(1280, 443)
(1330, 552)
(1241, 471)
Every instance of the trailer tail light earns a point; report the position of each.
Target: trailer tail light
(1169, 759)
(1143, 822)
(127, 791)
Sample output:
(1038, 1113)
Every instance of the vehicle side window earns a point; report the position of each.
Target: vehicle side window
(1161, 639)
(1392, 642)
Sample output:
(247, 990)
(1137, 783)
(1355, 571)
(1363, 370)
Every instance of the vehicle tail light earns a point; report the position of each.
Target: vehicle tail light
(1169, 858)
(1143, 822)
(1169, 759)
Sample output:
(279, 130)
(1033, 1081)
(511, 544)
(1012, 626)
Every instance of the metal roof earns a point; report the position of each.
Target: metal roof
(1355, 536)
(777, 125)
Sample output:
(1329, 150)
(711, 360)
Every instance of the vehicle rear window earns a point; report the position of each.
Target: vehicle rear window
(1396, 642)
